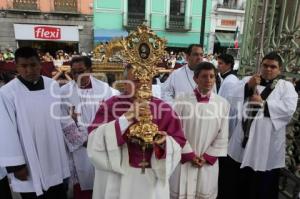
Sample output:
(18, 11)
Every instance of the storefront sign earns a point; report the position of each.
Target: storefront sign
(45, 32)
(228, 22)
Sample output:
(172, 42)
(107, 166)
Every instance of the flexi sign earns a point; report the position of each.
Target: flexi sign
(46, 32)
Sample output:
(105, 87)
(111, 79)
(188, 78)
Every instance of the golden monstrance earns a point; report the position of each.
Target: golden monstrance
(143, 49)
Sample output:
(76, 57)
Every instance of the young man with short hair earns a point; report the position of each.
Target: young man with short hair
(257, 145)
(225, 84)
(32, 145)
(204, 117)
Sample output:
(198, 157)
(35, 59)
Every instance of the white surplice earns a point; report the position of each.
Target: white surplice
(206, 129)
(32, 135)
(265, 149)
(225, 90)
(86, 102)
(179, 82)
(124, 181)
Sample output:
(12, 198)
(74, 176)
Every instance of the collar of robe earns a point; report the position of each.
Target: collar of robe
(200, 97)
(33, 86)
(265, 82)
(125, 97)
(224, 75)
(88, 85)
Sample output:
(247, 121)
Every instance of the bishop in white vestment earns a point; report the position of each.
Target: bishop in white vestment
(110, 149)
(204, 116)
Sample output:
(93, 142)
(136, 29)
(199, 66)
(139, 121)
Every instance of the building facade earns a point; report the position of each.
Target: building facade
(48, 25)
(227, 22)
(178, 21)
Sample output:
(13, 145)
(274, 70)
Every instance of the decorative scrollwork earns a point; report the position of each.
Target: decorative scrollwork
(143, 49)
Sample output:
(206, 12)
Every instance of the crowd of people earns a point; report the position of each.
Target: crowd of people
(218, 136)
(8, 56)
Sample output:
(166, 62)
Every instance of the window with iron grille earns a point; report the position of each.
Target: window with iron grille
(65, 5)
(136, 12)
(177, 7)
(25, 4)
(177, 14)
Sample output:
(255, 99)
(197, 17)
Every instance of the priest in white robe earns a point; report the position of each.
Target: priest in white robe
(82, 97)
(181, 80)
(32, 145)
(204, 116)
(109, 148)
(227, 81)
(257, 145)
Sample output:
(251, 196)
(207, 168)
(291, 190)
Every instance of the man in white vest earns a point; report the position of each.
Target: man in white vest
(257, 145)
(181, 80)
(82, 98)
(32, 144)
(204, 116)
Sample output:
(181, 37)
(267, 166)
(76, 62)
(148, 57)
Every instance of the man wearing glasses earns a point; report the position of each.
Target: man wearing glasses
(257, 145)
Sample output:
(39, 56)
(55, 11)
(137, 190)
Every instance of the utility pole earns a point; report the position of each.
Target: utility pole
(203, 18)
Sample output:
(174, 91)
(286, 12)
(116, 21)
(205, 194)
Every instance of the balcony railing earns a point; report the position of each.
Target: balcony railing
(231, 6)
(134, 19)
(178, 23)
(65, 5)
(25, 4)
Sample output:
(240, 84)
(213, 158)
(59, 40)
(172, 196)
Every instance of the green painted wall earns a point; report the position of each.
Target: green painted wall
(110, 4)
(108, 14)
(108, 21)
(158, 6)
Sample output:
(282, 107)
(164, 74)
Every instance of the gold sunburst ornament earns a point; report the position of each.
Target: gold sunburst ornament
(143, 49)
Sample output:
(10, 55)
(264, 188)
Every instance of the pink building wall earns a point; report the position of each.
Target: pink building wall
(3, 4)
(84, 6)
